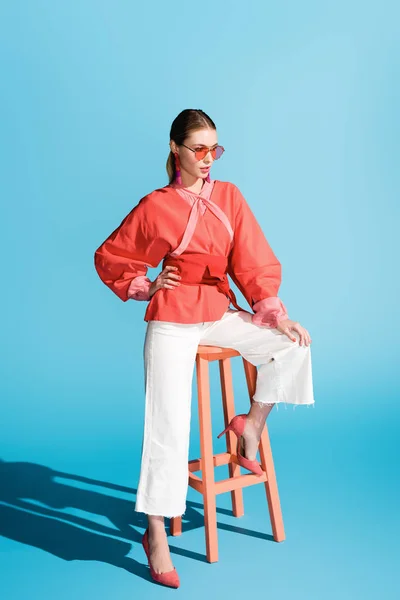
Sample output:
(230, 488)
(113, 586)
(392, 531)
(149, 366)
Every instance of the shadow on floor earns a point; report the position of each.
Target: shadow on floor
(23, 485)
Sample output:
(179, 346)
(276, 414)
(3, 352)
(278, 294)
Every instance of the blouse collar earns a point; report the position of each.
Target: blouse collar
(204, 192)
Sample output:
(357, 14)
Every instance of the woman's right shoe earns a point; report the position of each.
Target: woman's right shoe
(170, 578)
(237, 425)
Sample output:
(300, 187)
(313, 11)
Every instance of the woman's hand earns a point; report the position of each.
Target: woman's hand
(287, 326)
(166, 279)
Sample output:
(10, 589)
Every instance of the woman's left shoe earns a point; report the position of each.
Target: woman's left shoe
(170, 578)
(237, 425)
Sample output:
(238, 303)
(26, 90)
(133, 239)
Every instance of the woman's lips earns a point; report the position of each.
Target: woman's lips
(205, 169)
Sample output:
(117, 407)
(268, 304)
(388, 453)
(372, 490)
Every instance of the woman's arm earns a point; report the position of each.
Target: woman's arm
(122, 260)
(254, 268)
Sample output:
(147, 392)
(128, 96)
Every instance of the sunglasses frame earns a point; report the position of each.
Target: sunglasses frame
(209, 149)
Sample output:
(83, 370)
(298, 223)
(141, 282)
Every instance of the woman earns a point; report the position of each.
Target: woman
(201, 229)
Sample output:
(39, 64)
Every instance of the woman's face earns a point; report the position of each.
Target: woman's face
(187, 158)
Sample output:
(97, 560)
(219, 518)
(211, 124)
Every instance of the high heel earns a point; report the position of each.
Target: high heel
(237, 425)
(169, 578)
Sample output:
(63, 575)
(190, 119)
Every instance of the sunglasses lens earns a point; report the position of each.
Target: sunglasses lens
(218, 152)
(200, 154)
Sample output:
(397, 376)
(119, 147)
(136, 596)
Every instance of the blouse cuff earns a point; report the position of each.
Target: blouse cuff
(269, 312)
(139, 288)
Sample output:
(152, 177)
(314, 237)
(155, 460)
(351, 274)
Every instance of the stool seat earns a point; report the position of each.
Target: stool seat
(206, 463)
(215, 352)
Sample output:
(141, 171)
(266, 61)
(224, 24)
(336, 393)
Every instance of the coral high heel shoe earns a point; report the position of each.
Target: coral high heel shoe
(237, 425)
(170, 578)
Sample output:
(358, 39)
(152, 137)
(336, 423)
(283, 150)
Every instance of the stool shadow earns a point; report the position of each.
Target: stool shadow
(32, 512)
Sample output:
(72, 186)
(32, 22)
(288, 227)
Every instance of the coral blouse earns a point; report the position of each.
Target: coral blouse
(175, 223)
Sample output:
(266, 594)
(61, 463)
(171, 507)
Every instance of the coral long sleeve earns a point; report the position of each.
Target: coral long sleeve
(139, 289)
(254, 268)
(122, 260)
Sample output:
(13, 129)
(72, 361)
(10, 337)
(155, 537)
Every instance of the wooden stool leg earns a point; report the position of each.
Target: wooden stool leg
(207, 459)
(228, 404)
(267, 463)
(175, 526)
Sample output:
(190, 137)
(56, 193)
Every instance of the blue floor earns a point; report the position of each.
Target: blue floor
(70, 530)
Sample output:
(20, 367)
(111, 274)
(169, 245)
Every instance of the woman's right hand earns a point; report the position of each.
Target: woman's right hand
(166, 279)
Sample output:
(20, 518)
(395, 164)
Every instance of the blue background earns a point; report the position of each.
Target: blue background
(305, 97)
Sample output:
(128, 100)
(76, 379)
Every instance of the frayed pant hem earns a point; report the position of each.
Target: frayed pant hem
(308, 404)
(159, 513)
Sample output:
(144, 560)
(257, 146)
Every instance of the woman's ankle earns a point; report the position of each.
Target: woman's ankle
(155, 523)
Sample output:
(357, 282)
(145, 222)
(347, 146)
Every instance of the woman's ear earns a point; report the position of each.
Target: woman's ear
(173, 147)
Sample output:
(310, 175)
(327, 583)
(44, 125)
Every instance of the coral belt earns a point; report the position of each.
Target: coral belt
(203, 269)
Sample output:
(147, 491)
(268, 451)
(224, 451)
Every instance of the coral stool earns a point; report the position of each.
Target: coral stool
(206, 485)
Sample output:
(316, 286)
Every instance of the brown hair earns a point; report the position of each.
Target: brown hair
(190, 119)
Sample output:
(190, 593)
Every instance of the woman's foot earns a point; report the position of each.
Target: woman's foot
(250, 440)
(255, 422)
(159, 550)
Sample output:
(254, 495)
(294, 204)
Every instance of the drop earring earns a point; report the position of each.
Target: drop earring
(178, 177)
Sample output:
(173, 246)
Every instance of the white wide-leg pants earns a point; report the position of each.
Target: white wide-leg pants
(169, 360)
